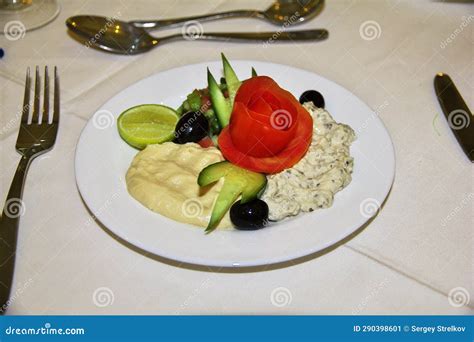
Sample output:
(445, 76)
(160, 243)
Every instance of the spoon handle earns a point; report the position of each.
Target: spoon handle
(157, 24)
(266, 37)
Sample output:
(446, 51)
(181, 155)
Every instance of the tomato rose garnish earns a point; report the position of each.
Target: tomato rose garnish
(269, 130)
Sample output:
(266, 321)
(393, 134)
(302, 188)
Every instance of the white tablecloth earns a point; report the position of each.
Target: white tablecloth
(416, 257)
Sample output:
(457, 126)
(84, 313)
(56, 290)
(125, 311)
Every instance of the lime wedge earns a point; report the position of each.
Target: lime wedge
(147, 124)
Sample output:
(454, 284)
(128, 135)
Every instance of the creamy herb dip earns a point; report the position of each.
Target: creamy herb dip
(325, 169)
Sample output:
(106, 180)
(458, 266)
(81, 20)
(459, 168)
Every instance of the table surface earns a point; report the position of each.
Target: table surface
(416, 257)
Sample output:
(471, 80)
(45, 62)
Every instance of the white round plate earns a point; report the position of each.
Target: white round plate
(102, 159)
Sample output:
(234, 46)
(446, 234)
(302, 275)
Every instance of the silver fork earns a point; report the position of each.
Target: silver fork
(36, 136)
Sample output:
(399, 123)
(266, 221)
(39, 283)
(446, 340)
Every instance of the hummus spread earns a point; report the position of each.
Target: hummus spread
(314, 180)
(163, 178)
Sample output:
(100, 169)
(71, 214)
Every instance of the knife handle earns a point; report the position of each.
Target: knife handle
(457, 113)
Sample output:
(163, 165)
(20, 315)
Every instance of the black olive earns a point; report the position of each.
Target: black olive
(249, 216)
(191, 127)
(313, 96)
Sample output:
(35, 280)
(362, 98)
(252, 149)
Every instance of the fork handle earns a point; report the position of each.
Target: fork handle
(13, 210)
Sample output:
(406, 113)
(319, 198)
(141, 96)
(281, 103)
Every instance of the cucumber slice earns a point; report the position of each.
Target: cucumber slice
(227, 196)
(194, 101)
(213, 123)
(186, 106)
(215, 139)
(180, 110)
(212, 173)
(221, 105)
(237, 181)
(254, 72)
(231, 79)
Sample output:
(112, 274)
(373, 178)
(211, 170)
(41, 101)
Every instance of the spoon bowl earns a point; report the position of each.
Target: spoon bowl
(111, 35)
(291, 12)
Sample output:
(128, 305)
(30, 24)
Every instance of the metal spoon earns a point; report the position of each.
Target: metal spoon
(123, 38)
(281, 12)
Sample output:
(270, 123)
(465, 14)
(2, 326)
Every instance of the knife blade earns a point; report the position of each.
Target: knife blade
(457, 113)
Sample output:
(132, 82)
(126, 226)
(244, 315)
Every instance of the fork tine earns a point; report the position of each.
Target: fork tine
(45, 116)
(56, 96)
(36, 102)
(26, 99)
